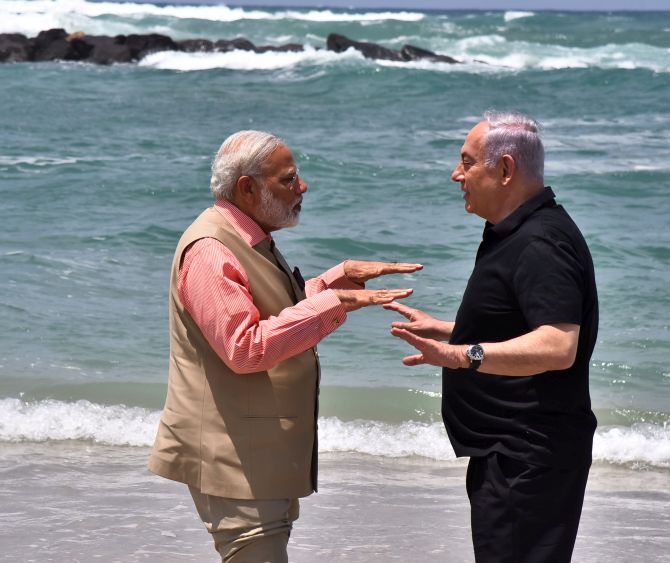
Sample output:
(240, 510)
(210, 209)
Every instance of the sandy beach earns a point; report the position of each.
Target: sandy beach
(70, 502)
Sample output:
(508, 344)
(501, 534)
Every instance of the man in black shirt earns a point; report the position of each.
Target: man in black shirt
(516, 359)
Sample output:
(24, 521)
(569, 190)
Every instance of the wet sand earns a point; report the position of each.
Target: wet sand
(73, 503)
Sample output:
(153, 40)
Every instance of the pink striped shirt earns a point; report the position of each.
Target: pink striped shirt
(214, 289)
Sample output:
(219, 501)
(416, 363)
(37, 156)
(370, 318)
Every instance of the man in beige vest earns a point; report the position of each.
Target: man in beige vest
(239, 424)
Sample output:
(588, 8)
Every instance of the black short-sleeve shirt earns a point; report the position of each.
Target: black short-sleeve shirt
(533, 268)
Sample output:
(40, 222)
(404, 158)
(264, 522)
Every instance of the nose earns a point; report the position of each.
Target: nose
(302, 185)
(457, 174)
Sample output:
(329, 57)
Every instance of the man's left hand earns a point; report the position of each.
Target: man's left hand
(360, 271)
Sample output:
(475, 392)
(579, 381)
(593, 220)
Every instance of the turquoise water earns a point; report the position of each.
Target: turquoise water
(101, 169)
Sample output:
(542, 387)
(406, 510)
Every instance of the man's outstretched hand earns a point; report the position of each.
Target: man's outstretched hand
(353, 299)
(360, 271)
(420, 323)
(431, 351)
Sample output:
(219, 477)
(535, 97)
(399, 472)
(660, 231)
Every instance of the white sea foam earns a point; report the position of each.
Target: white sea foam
(33, 16)
(118, 425)
(513, 15)
(35, 161)
(382, 439)
(329, 16)
(244, 60)
(57, 420)
(501, 53)
(640, 443)
(467, 52)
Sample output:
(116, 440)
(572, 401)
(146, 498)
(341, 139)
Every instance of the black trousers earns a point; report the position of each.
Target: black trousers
(523, 513)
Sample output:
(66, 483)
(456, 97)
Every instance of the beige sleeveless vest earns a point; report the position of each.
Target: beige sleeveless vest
(245, 436)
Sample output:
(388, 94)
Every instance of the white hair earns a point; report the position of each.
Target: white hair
(517, 135)
(241, 154)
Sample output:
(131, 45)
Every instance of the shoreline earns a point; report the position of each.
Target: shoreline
(73, 501)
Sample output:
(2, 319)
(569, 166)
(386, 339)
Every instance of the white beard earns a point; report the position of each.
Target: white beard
(275, 213)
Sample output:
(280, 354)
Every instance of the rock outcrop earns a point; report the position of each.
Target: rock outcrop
(340, 43)
(15, 48)
(58, 45)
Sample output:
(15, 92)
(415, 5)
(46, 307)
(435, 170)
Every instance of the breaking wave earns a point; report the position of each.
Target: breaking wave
(49, 420)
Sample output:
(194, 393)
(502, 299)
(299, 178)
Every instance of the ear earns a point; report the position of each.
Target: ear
(508, 169)
(245, 190)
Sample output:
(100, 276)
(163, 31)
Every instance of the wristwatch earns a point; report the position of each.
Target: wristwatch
(476, 354)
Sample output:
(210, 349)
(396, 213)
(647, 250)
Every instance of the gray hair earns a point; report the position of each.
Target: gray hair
(519, 136)
(241, 154)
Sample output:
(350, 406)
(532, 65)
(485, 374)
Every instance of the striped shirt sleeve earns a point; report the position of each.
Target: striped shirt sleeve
(214, 289)
(331, 279)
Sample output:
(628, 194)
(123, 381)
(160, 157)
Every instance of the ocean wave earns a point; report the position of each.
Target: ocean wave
(366, 17)
(383, 439)
(512, 15)
(31, 16)
(470, 51)
(244, 60)
(276, 60)
(641, 444)
(44, 161)
(39, 161)
(500, 53)
(49, 420)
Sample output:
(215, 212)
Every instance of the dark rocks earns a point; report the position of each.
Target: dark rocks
(288, 48)
(15, 48)
(142, 45)
(51, 45)
(340, 43)
(58, 45)
(195, 45)
(107, 50)
(239, 43)
(412, 53)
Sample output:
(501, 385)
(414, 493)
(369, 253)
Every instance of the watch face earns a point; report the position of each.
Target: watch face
(476, 352)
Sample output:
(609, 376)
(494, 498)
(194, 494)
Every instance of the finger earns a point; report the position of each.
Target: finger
(409, 337)
(398, 268)
(387, 295)
(415, 360)
(403, 326)
(402, 296)
(404, 310)
(381, 299)
(403, 334)
(400, 292)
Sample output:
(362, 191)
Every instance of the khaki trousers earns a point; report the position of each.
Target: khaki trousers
(248, 531)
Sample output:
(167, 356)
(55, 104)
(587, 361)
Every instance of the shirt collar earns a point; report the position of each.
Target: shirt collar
(250, 231)
(514, 219)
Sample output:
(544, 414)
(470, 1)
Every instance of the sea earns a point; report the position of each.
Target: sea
(103, 167)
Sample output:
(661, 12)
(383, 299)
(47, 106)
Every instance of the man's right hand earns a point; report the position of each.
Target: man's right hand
(420, 323)
(353, 299)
